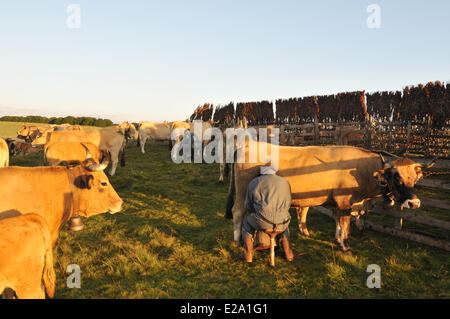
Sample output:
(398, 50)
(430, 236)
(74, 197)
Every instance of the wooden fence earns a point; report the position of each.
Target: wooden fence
(416, 120)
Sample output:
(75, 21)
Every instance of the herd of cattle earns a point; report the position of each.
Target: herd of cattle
(38, 201)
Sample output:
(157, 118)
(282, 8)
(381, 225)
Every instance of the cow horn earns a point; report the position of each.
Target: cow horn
(88, 153)
(430, 163)
(383, 161)
(105, 160)
(100, 167)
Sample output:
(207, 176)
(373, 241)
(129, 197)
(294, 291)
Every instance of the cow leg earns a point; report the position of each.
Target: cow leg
(114, 161)
(343, 227)
(143, 140)
(238, 217)
(301, 218)
(358, 222)
(222, 172)
(338, 231)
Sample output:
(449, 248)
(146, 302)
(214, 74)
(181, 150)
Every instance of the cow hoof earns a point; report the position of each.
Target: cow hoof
(348, 252)
(304, 232)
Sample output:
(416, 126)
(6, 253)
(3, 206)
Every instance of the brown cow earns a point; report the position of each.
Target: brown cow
(58, 193)
(4, 153)
(69, 153)
(21, 148)
(26, 257)
(346, 177)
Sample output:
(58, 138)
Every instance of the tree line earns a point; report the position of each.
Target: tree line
(84, 120)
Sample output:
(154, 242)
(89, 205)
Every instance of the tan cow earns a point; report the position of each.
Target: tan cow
(152, 131)
(4, 153)
(69, 153)
(58, 193)
(40, 136)
(346, 177)
(111, 139)
(178, 128)
(26, 257)
(29, 132)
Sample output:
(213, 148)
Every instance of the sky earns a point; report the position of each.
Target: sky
(157, 60)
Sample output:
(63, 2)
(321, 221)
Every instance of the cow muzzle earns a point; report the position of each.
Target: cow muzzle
(411, 203)
(116, 208)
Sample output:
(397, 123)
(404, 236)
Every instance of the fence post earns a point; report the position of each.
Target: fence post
(408, 136)
(427, 137)
(316, 130)
(367, 134)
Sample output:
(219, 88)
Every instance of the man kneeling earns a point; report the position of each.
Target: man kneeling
(267, 200)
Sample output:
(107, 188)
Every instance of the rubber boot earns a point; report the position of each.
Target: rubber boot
(287, 249)
(248, 249)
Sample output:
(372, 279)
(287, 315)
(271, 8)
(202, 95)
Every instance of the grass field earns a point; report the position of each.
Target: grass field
(172, 241)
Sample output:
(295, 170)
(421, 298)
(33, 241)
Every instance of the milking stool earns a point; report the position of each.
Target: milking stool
(272, 233)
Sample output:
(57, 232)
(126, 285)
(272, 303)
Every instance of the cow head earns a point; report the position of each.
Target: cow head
(39, 136)
(94, 193)
(399, 177)
(24, 131)
(128, 130)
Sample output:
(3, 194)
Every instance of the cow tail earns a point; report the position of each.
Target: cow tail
(231, 190)
(45, 155)
(226, 169)
(48, 276)
(138, 144)
(122, 158)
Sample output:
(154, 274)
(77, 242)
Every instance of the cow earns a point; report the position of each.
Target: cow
(111, 139)
(40, 136)
(346, 177)
(29, 132)
(21, 148)
(178, 129)
(152, 131)
(26, 258)
(4, 153)
(66, 127)
(69, 153)
(58, 193)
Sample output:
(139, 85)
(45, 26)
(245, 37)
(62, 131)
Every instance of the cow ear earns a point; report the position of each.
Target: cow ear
(379, 176)
(121, 130)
